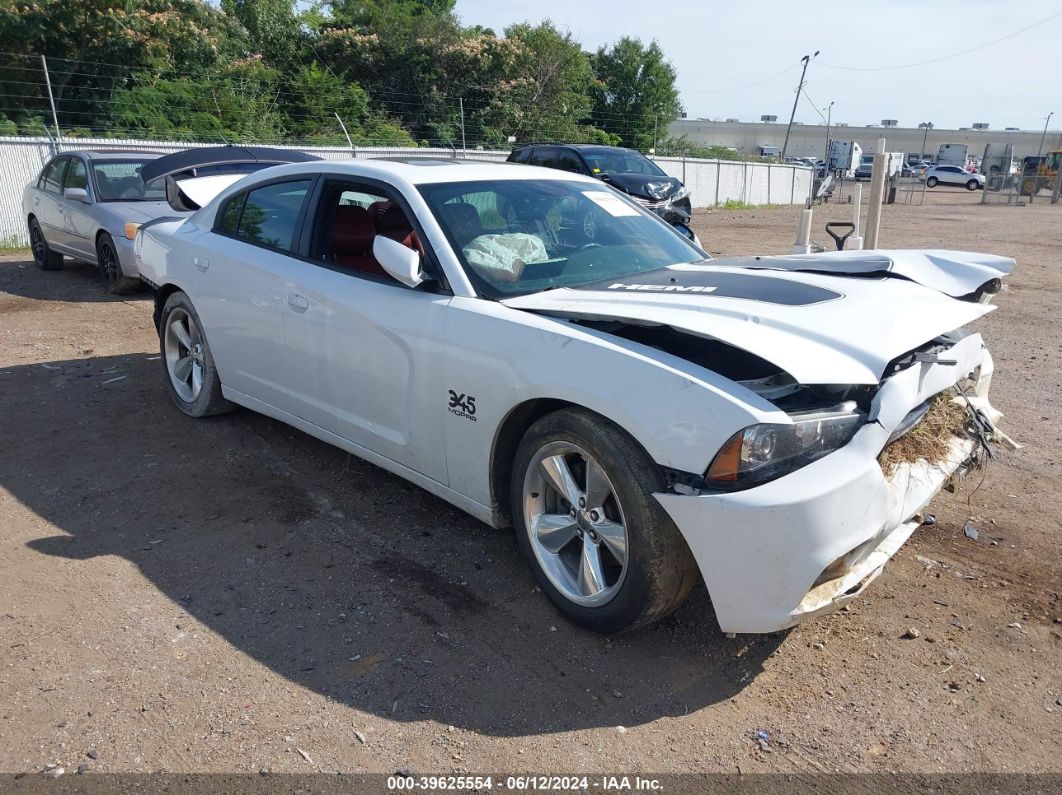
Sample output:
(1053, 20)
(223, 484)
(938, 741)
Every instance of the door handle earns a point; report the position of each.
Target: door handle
(298, 302)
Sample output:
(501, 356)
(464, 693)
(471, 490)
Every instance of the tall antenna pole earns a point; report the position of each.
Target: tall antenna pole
(461, 100)
(789, 128)
(350, 143)
(51, 100)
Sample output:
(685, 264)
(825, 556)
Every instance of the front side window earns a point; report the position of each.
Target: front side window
(76, 174)
(270, 214)
(119, 181)
(569, 161)
(521, 236)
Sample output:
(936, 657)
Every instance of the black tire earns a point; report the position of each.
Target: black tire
(660, 569)
(931, 182)
(973, 184)
(110, 268)
(209, 399)
(43, 256)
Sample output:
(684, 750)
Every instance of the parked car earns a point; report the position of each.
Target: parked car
(538, 350)
(953, 175)
(864, 169)
(626, 170)
(88, 204)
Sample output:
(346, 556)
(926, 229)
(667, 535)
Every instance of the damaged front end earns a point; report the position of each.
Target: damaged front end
(803, 540)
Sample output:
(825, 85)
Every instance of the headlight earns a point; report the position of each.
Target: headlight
(762, 453)
(657, 190)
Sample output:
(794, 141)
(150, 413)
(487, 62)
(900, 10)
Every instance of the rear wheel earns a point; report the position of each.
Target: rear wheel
(931, 182)
(601, 547)
(193, 379)
(43, 256)
(116, 282)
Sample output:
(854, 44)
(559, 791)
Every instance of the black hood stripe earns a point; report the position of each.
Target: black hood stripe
(708, 281)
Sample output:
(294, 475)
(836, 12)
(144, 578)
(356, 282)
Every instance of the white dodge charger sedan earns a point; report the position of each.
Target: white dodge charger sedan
(541, 352)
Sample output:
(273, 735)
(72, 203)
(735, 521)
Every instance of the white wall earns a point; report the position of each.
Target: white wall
(710, 182)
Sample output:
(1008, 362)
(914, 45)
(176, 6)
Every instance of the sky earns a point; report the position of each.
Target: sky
(721, 49)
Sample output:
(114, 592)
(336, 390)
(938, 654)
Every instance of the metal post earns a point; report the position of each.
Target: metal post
(461, 100)
(51, 100)
(343, 127)
(829, 119)
(789, 128)
(877, 189)
(1039, 149)
(718, 176)
(927, 126)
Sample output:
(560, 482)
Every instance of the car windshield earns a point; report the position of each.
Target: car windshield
(619, 161)
(515, 237)
(119, 181)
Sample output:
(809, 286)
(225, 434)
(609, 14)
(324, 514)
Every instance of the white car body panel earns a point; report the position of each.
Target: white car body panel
(374, 368)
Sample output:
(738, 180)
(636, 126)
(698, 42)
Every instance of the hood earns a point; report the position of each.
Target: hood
(821, 328)
(636, 184)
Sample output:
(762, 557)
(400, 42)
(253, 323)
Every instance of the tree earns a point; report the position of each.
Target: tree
(634, 95)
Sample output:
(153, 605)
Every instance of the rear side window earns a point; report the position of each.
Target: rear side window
(270, 214)
(520, 156)
(229, 216)
(52, 178)
(567, 160)
(546, 156)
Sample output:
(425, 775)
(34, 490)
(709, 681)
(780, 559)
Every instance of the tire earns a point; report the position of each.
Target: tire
(931, 182)
(195, 386)
(973, 184)
(644, 568)
(43, 256)
(110, 268)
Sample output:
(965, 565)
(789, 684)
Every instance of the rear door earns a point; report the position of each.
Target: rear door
(545, 156)
(46, 205)
(239, 287)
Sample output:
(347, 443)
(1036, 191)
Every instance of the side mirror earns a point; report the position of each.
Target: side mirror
(76, 195)
(401, 262)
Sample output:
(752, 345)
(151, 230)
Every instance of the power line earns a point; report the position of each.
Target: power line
(742, 88)
(943, 57)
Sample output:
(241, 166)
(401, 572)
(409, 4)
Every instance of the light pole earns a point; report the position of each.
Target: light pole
(805, 60)
(927, 126)
(829, 118)
(1040, 150)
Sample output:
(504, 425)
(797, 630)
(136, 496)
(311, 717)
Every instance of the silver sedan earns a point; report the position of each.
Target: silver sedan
(88, 205)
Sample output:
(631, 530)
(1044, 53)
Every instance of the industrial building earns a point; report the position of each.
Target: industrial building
(809, 140)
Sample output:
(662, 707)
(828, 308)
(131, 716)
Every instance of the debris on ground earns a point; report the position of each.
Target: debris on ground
(970, 531)
(911, 633)
(1014, 625)
(360, 736)
(304, 755)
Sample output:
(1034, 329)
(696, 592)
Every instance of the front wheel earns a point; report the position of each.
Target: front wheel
(931, 182)
(116, 282)
(193, 379)
(973, 184)
(601, 547)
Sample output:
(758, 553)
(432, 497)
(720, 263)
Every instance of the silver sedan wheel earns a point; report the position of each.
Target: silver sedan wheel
(575, 523)
(183, 344)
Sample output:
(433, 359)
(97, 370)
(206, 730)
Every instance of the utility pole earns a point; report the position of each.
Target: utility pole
(1039, 150)
(829, 119)
(927, 126)
(800, 86)
(461, 101)
(51, 100)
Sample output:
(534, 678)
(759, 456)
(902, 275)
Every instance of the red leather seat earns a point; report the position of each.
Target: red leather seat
(392, 222)
(353, 231)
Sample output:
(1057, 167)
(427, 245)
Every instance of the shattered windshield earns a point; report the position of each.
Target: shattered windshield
(515, 237)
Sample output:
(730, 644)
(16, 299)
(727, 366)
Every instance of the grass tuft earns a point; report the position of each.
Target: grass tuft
(931, 438)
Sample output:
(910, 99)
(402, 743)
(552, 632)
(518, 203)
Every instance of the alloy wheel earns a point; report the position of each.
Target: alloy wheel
(185, 355)
(575, 523)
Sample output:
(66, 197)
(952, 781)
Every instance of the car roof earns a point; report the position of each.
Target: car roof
(428, 170)
(580, 147)
(113, 154)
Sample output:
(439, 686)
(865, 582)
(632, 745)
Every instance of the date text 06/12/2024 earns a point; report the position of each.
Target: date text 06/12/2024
(528, 783)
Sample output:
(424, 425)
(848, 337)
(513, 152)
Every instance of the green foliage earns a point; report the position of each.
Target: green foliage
(634, 96)
(395, 71)
(683, 147)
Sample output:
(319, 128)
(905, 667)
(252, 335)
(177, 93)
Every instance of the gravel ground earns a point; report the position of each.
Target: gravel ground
(231, 595)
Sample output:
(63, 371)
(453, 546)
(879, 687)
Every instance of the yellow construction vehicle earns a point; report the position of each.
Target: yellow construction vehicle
(1040, 173)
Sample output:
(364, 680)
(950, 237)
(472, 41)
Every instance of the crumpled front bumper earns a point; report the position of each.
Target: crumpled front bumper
(807, 543)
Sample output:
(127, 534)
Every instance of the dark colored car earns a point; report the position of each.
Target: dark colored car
(626, 170)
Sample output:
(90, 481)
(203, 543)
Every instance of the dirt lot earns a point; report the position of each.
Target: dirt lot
(232, 595)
